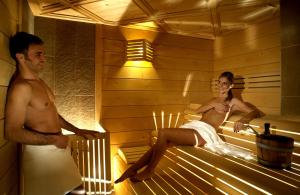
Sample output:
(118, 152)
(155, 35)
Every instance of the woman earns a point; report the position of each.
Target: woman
(198, 133)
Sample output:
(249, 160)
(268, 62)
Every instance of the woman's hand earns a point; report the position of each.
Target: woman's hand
(221, 107)
(239, 125)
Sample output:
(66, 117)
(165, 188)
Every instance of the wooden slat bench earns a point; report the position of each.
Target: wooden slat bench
(190, 170)
(92, 157)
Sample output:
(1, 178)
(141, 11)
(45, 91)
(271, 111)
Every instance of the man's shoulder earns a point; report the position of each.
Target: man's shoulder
(20, 85)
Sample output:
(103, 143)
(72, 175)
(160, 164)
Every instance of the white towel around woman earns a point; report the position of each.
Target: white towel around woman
(214, 142)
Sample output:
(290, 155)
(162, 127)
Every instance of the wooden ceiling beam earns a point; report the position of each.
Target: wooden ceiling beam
(54, 7)
(35, 7)
(184, 13)
(68, 17)
(241, 4)
(150, 12)
(196, 35)
(88, 13)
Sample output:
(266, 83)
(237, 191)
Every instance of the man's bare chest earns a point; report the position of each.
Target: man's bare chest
(41, 99)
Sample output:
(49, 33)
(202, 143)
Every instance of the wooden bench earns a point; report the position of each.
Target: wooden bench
(92, 157)
(190, 170)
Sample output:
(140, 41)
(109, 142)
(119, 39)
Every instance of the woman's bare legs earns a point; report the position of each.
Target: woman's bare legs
(131, 171)
(166, 137)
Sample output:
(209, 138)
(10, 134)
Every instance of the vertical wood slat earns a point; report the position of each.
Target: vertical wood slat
(93, 158)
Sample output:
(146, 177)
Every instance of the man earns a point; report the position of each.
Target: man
(31, 118)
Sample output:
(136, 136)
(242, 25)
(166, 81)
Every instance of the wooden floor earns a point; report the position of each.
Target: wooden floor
(188, 170)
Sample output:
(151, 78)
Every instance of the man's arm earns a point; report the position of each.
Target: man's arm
(81, 132)
(250, 114)
(18, 100)
(66, 125)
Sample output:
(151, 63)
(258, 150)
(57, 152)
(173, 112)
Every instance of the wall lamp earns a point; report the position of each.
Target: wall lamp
(139, 50)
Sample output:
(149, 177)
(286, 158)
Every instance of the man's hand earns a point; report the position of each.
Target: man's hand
(60, 141)
(221, 107)
(88, 134)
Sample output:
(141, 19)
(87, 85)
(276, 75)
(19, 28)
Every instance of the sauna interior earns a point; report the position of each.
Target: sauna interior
(98, 87)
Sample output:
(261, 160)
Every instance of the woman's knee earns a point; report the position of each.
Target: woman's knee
(163, 133)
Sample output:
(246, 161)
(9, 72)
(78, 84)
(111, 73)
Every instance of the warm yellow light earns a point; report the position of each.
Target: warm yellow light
(99, 128)
(188, 81)
(170, 120)
(178, 114)
(155, 123)
(162, 119)
(144, 26)
(140, 64)
(134, 33)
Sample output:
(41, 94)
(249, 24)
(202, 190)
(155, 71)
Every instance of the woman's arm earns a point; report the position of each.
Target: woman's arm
(212, 104)
(250, 114)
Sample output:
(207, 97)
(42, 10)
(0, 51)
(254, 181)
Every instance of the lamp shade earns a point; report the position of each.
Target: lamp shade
(139, 50)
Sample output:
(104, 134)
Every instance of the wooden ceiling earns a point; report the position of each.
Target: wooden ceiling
(198, 18)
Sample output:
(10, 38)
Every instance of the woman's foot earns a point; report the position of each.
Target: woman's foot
(128, 173)
(78, 191)
(144, 175)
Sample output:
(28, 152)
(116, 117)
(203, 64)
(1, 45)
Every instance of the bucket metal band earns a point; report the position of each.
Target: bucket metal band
(264, 146)
(272, 164)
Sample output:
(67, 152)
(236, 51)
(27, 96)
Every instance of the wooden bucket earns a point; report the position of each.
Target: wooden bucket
(274, 150)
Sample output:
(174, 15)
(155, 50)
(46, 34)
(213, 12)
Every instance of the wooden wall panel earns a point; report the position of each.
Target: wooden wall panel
(180, 74)
(184, 41)
(8, 169)
(265, 56)
(252, 34)
(9, 12)
(290, 49)
(114, 45)
(9, 23)
(2, 100)
(140, 110)
(6, 72)
(183, 52)
(152, 73)
(2, 140)
(148, 85)
(255, 50)
(7, 151)
(4, 52)
(121, 138)
(178, 63)
(152, 98)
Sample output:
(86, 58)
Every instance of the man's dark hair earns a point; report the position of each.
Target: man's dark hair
(20, 42)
